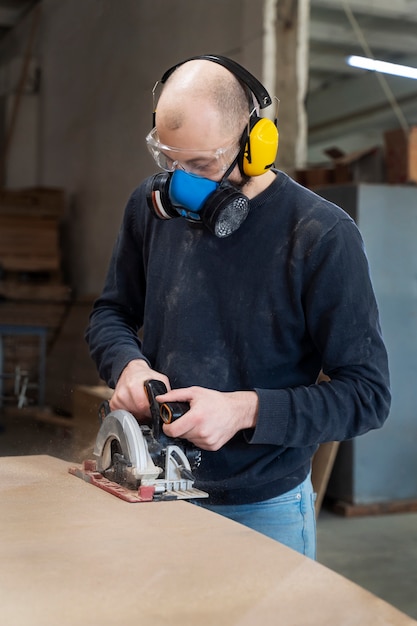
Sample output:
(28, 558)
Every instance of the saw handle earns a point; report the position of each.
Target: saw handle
(171, 411)
(168, 411)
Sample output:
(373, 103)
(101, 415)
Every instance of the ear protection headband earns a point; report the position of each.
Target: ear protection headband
(259, 142)
(219, 206)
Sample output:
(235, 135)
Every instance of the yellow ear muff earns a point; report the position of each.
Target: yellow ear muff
(261, 147)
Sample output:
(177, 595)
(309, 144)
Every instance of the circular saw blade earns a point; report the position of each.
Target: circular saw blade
(122, 427)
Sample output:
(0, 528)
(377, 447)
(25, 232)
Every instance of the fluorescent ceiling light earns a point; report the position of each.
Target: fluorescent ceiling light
(382, 66)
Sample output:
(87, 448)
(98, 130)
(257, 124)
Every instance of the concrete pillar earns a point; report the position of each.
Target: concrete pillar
(286, 34)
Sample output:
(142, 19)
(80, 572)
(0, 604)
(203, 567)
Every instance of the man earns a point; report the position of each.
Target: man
(241, 307)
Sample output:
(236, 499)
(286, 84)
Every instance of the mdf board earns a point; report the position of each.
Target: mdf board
(72, 554)
(321, 470)
(381, 466)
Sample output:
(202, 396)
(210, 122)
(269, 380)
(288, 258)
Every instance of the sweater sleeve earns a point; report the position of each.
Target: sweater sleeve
(342, 319)
(117, 315)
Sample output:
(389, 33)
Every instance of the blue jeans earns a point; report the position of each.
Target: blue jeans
(288, 518)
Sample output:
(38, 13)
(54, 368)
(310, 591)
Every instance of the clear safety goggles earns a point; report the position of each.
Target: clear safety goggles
(206, 163)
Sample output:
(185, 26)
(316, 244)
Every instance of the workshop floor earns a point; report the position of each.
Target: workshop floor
(377, 552)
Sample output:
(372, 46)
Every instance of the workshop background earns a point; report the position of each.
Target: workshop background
(76, 79)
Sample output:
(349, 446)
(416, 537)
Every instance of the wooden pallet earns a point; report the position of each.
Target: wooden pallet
(377, 508)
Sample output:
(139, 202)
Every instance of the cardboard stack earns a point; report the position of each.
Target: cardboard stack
(362, 166)
(401, 156)
(394, 163)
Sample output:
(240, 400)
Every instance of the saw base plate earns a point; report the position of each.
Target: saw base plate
(145, 493)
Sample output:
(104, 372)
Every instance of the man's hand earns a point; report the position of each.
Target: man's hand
(214, 417)
(130, 393)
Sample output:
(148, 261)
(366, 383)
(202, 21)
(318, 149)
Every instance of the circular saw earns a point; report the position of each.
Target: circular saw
(138, 462)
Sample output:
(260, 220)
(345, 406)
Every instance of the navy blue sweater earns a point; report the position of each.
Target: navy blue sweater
(286, 295)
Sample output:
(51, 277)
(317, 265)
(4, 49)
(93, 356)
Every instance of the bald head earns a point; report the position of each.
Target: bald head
(203, 88)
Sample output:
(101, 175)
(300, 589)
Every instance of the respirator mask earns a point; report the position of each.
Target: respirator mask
(220, 206)
(195, 195)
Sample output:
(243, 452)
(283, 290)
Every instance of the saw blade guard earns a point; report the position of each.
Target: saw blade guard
(122, 427)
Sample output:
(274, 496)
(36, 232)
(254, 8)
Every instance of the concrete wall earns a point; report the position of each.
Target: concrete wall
(20, 104)
(100, 60)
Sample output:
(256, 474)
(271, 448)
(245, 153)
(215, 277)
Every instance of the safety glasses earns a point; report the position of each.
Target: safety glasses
(207, 163)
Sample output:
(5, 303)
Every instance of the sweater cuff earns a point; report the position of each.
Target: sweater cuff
(273, 417)
(122, 360)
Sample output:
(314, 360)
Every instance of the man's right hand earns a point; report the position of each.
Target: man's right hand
(130, 394)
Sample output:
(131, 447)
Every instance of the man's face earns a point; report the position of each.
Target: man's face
(199, 146)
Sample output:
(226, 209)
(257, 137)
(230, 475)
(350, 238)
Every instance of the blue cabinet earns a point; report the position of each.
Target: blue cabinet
(381, 466)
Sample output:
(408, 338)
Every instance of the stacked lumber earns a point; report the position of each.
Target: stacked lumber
(29, 243)
(37, 201)
(30, 230)
(32, 292)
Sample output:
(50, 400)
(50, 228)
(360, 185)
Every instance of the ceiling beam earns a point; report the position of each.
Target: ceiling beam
(393, 9)
(341, 35)
(350, 95)
(330, 63)
(357, 104)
